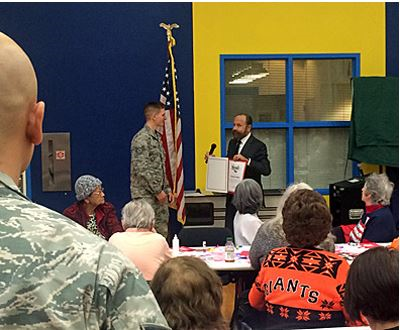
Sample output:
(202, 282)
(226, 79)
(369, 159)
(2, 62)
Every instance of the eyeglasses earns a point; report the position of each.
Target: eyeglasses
(98, 191)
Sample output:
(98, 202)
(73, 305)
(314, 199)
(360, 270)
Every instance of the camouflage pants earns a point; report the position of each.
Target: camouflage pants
(161, 216)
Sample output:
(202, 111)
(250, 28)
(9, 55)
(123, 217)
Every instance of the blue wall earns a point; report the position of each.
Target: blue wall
(392, 39)
(97, 65)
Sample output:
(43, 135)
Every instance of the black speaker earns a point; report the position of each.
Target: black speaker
(345, 201)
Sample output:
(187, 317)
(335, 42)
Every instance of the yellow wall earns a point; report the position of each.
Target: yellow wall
(274, 28)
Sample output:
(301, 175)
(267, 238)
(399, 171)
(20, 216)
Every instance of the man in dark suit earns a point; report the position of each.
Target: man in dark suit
(245, 147)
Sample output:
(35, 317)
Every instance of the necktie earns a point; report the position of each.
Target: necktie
(237, 147)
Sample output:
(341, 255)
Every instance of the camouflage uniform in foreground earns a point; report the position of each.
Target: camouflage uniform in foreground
(56, 274)
(148, 176)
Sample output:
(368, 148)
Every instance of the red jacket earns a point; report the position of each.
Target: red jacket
(106, 218)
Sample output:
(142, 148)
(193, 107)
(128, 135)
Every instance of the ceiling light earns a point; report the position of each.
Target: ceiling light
(249, 74)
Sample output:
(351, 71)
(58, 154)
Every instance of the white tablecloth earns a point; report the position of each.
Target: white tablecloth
(213, 256)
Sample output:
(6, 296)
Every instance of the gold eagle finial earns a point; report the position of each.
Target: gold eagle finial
(169, 28)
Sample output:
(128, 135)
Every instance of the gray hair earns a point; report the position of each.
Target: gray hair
(275, 224)
(248, 197)
(85, 185)
(380, 188)
(289, 190)
(138, 214)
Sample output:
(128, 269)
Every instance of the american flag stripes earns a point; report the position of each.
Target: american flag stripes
(172, 134)
(358, 231)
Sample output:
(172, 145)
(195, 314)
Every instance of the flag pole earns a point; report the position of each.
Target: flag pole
(173, 135)
(171, 43)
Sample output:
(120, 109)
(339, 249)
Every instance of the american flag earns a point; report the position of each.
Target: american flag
(172, 134)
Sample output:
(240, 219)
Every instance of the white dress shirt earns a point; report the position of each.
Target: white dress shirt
(243, 142)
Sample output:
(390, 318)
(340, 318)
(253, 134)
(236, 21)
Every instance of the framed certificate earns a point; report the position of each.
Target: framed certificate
(236, 170)
(223, 174)
(217, 174)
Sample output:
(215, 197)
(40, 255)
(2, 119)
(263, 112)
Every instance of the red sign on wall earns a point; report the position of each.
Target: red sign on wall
(60, 154)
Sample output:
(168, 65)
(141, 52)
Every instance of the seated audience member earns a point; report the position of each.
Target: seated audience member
(91, 210)
(248, 200)
(140, 242)
(301, 286)
(377, 223)
(53, 274)
(189, 294)
(270, 235)
(372, 288)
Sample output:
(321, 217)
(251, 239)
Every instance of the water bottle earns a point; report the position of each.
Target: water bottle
(229, 250)
(175, 246)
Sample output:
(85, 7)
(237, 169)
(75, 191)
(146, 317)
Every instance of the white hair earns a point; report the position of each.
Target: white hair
(138, 214)
(380, 188)
(289, 190)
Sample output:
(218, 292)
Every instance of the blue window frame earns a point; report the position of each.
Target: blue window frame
(290, 124)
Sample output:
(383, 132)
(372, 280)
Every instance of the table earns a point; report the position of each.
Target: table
(214, 256)
(350, 251)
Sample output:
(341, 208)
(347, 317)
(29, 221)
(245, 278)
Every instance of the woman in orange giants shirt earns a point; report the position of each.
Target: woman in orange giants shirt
(301, 286)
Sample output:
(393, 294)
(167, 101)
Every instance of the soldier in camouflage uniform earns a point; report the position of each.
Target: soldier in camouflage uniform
(148, 178)
(54, 274)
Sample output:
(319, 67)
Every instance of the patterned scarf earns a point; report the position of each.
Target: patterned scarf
(92, 226)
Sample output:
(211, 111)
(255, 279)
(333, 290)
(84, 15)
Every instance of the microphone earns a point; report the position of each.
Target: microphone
(212, 148)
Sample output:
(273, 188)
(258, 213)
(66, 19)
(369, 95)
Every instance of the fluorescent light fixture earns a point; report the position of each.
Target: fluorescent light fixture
(249, 74)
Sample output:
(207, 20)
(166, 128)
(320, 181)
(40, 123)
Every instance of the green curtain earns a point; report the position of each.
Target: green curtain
(374, 130)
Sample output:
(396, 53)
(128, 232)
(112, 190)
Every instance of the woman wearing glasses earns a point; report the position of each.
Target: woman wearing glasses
(91, 210)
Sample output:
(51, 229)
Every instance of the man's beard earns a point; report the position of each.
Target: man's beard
(238, 136)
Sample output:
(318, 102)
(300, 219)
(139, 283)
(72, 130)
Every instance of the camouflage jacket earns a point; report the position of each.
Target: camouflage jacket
(56, 274)
(147, 164)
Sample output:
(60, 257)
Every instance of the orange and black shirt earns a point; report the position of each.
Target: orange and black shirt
(301, 288)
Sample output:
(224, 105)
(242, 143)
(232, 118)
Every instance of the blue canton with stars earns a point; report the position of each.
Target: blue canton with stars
(167, 89)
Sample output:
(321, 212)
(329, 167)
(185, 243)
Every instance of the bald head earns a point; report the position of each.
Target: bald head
(21, 116)
(18, 90)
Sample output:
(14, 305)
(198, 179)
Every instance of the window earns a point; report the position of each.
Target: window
(301, 108)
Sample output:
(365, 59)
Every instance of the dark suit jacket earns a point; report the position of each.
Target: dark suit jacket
(256, 150)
